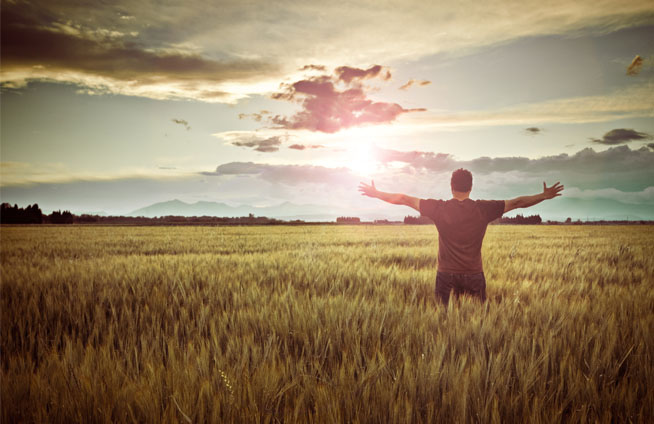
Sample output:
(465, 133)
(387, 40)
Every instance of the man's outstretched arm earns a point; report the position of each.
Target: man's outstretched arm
(394, 198)
(527, 201)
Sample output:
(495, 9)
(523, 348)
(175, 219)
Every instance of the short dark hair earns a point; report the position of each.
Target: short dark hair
(461, 180)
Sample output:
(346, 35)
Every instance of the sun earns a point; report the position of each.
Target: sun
(361, 159)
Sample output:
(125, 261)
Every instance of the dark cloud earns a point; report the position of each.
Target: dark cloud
(618, 167)
(650, 145)
(348, 74)
(533, 130)
(615, 159)
(635, 66)
(414, 82)
(305, 146)
(34, 39)
(182, 122)
(267, 145)
(327, 108)
(254, 116)
(313, 68)
(587, 161)
(287, 174)
(621, 135)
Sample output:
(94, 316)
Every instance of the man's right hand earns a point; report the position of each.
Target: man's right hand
(553, 191)
(393, 198)
(368, 190)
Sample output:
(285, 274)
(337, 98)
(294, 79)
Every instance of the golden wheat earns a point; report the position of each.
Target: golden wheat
(323, 324)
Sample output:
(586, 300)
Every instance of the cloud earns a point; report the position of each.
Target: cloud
(634, 197)
(635, 66)
(414, 82)
(260, 141)
(182, 122)
(236, 168)
(321, 68)
(620, 136)
(223, 51)
(261, 145)
(431, 161)
(348, 74)
(25, 174)
(619, 168)
(586, 161)
(533, 130)
(650, 145)
(305, 146)
(362, 32)
(601, 164)
(327, 108)
(37, 45)
(20, 173)
(258, 117)
(267, 145)
(287, 174)
(634, 101)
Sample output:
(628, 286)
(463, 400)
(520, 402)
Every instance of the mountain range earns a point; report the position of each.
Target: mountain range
(286, 210)
(559, 210)
(590, 209)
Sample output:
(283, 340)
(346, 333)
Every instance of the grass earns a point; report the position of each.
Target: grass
(323, 324)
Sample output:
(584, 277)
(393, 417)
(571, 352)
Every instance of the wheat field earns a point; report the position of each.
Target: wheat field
(323, 324)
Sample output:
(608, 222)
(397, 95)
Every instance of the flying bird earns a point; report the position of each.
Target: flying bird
(414, 82)
(635, 66)
(182, 122)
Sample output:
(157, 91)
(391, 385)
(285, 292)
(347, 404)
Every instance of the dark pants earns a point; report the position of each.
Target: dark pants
(470, 284)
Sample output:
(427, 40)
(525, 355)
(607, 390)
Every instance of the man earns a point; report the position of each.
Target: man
(461, 224)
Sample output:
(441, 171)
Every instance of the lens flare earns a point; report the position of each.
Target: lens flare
(361, 159)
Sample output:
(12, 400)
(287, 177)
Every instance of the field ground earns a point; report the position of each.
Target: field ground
(323, 324)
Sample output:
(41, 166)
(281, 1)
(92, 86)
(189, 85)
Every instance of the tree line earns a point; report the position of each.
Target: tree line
(520, 220)
(32, 214)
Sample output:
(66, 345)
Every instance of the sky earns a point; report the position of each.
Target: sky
(112, 106)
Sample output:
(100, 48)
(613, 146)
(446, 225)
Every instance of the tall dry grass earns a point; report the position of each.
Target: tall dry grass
(323, 324)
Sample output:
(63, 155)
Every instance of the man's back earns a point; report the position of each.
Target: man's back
(461, 224)
(461, 228)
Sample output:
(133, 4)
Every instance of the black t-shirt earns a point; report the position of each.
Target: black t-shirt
(461, 228)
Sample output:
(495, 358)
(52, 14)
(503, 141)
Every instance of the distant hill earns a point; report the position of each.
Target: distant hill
(558, 210)
(96, 213)
(286, 210)
(589, 209)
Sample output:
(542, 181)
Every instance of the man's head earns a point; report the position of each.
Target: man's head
(461, 181)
